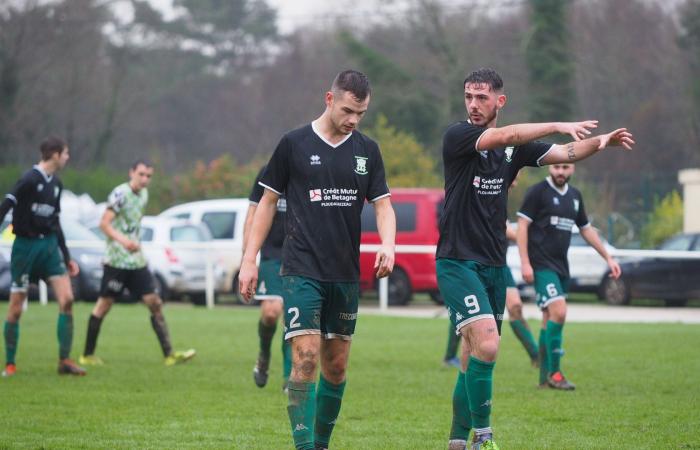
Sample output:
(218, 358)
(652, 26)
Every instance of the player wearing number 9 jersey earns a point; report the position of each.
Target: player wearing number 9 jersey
(480, 162)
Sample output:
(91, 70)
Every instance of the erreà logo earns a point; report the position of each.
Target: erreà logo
(360, 165)
(509, 154)
(315, 160)
(315, 195)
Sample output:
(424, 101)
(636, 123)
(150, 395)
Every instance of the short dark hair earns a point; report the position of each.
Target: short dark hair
(51, 145)
(142, 161)
(485, 76)
(354, 82)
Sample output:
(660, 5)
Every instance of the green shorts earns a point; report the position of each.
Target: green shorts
(269, 280)
(34, 259)
(319, 307)
(472, 291)
(510, 281)
(550, 287)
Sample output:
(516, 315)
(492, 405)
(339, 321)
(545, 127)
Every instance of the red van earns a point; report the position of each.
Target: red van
(417, 211)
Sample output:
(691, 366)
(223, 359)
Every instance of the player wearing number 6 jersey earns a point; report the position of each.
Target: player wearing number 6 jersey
(480, 162)
(549, 211)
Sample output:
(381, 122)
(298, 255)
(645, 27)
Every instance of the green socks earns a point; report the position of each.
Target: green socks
(328, 400)
(286, 358)
(11, 332)
(479, 388)
(452, 342)
(544, 360)
(266, 332)
(302, 412)
(64, 330)
(522, 331)
(554, 348)
(461, 416)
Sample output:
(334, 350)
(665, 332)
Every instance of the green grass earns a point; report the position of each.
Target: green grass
(638, 387)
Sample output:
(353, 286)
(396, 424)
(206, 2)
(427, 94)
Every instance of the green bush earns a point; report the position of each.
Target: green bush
(664, 221)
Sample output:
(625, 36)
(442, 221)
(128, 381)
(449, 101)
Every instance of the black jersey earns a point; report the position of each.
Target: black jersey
(472, 226)
(552, 214)
(36, 203)
(272, 247)
(326, 186)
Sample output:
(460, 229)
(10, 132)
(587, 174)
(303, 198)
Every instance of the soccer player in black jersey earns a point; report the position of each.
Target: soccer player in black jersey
(550, 210)
(269, 291)
(480, 162)
(39, 251)
(327, 170)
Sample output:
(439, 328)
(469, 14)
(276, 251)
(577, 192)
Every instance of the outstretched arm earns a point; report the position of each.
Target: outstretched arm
(527, 132)
(576, 151)
(386, 225)
(262, 221)
(591, 236)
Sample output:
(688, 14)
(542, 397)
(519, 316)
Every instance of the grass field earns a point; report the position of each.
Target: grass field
(637, 387)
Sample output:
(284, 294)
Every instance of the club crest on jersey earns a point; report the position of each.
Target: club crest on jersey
(39, 187)
(56, 191)
(477, 181)
(555, 200)
(576, 204)
(509, 154)
(360, 165)
(315, 160)
(315, 195)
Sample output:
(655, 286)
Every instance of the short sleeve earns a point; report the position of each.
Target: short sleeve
(581, 216)
(116, 199)
(378, 187)
(276, 175)
(528, 210)
(257, 192)
(531, 154)
(460, 140)
(19, 190)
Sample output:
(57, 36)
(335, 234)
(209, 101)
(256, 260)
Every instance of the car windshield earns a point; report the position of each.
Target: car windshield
(680, 242)
(187, 233)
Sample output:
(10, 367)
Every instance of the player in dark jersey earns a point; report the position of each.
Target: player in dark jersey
(327, 170)
(549, 211)
(39, 251)
(480, 162)
(269, 291)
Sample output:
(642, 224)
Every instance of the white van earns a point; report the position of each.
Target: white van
(225, 219)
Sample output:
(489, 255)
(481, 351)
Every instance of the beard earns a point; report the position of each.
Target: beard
(560, 181)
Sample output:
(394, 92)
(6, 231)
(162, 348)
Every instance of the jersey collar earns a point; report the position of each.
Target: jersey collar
(318, 133)
(562, 191)
(46, 176)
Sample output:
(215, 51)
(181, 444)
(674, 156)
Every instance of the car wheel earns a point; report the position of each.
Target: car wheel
(399, 288)
(199, 299)
(615, 292)
(236, 292)
(161, 288)
(676, 302)
(436, 297)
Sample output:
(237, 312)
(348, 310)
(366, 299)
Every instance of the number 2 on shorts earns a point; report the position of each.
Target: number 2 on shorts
(472, 304)
(293, 322)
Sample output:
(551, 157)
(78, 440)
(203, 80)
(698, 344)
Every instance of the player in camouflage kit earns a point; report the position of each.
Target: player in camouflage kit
(39, 251)
(126, 266)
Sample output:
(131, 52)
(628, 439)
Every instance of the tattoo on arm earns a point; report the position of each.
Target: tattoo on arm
(570, 151)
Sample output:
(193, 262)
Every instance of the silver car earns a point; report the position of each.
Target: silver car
(177, 252)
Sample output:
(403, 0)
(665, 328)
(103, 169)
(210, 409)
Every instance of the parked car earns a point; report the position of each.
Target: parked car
(586, 267)
(417, 211)
(177, 252)
(674, 280)
(225, 219)
(86, 249)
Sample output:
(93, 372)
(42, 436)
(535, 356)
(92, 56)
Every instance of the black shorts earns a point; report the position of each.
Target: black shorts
(139, 282)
